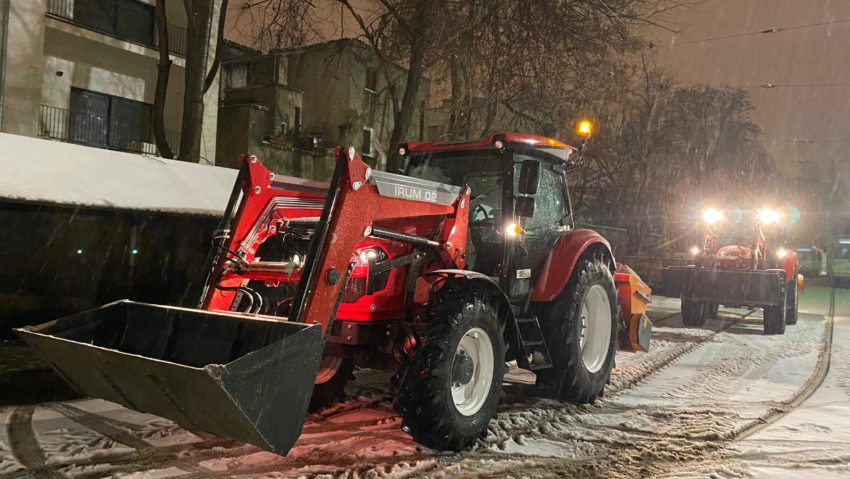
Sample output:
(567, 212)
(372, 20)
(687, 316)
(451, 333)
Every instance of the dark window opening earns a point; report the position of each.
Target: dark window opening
(126, 19)
(108, 121)
(371, 79)
(366, 145)
(297, 123)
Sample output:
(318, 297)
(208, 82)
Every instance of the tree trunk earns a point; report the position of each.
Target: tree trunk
(414, 79)
(222, 17)
(199, 13)
(163, 69)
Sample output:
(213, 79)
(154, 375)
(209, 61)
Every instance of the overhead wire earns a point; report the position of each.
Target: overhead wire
(757, 32)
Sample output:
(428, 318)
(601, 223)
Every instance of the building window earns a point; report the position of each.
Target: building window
(236, 75)
(125, 19)
(366, 143)
(107, 121)
(371, 80)
(297, 123)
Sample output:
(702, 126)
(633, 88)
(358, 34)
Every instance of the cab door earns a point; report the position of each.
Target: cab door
(540, 230)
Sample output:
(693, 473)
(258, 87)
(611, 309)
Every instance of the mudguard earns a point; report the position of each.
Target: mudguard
(789, 264)
(492, 284)
(483, 278)
(554, 273)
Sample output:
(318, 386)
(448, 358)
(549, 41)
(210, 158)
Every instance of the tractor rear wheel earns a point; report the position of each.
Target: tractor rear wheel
(451, 388)
(791, 301)
(329, 387)
(774, 316)
(694, 313)
(580, 328)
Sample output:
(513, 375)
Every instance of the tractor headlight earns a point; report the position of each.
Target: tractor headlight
(512, 230)
(365, 255)
(781, 253)
(769, 216)
(358, 284)
(712, 216)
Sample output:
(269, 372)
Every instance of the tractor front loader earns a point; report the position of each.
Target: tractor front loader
(734, 267)
(440, 284)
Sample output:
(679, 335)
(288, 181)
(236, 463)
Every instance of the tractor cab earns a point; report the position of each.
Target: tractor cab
(519, 200)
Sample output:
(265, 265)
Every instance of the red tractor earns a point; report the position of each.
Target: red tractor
(442, 275)
(734, 267)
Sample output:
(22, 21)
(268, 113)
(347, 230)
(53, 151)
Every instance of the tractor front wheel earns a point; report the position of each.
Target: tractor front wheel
(580, 328)
(329, 388)
(791, 301)
(451, 388)
(694, 313)
(774, 316)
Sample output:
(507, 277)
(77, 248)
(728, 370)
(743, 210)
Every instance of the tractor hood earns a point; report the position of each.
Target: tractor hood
(736, 252)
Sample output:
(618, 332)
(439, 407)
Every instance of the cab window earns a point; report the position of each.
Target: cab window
(550, 205)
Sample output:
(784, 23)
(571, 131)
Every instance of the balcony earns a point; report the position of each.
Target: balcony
(127, 20)
(121, 134)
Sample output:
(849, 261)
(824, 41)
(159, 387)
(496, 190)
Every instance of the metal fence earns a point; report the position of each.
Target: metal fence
(100, 132)
(124, 19)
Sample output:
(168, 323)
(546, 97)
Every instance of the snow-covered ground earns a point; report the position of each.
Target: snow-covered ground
(676, 411)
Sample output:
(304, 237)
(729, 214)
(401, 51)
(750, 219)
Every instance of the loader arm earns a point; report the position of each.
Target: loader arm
(353, 206)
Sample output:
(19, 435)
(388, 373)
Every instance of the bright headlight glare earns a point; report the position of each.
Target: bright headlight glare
(769, 216)
(694, 250)
(712, 216)
(513, 230)
(781, 253)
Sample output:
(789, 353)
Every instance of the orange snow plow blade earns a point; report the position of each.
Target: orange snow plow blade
(634, 297)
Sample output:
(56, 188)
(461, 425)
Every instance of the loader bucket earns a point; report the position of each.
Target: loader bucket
(245, 378)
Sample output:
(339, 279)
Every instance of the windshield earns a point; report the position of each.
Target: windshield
(454, 167)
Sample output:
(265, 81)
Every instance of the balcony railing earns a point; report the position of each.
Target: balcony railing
(100, 132)
(128, 20)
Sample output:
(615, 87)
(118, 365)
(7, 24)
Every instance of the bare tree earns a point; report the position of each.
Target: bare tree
(163, 70)
(200, 20)
(199, 75)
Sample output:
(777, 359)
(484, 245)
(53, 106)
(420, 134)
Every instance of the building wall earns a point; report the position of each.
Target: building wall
(50, 56)
(25, 58)
(324, 77)
(336, 102)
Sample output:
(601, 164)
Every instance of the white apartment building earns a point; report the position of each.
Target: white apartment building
(85, 71)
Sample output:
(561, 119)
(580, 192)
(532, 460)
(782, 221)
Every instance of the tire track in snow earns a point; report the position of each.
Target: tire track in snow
(24, 444)
(774, 414)
(812, 385)
(100, 425)
(514, 424)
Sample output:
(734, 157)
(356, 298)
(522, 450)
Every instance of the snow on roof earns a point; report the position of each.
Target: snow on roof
(44, 171)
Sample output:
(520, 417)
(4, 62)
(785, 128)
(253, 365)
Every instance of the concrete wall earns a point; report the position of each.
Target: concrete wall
(81, 258)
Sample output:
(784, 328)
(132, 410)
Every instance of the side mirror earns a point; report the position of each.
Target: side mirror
(529, 177)
(524, 207)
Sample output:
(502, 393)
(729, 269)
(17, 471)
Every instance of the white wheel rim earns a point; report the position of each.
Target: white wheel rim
(595, 338)
(328, 368)
(470, 396)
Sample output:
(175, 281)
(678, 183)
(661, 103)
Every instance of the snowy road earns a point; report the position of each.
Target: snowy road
(678, 411)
